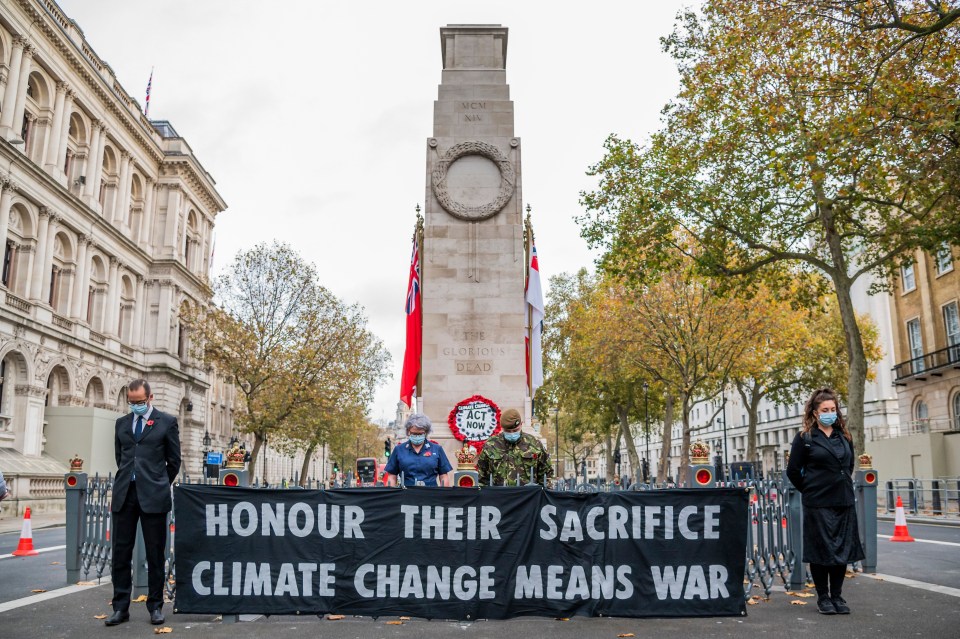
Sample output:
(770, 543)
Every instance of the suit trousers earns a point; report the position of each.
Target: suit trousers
(154, 527)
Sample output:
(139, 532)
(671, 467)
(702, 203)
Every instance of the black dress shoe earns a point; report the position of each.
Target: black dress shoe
(117, 618)
(156, 617)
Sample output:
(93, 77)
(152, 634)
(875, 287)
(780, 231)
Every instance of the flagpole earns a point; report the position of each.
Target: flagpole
(418, 237)
(528, 233)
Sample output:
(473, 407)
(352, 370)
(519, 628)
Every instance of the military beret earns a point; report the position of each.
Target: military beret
(510, 418)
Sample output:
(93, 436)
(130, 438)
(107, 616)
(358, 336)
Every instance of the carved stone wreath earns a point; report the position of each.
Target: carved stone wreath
(508, 181)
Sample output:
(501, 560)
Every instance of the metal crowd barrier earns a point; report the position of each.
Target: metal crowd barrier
(774, 531)
(939, 497)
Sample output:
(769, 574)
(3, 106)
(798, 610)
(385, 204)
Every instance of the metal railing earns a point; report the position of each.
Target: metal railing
(774, 531)
(920, 366)
(915, 427)
(932, 497)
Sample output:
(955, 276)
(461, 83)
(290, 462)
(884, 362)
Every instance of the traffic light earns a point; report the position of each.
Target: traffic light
(386, 447)
(336, 467)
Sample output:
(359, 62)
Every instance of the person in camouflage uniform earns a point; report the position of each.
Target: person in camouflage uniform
(513, 453)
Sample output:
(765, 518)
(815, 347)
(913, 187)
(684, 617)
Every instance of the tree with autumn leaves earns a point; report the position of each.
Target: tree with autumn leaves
(688, 337)
(302, 360)
(807, 136)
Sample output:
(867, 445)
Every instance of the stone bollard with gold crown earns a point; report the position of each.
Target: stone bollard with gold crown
(235, 473)
(702, 474)
(466, 475)
(75, 483)
(865, 481)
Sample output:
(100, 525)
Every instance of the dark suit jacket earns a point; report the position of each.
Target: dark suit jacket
(156, 459)
(825, 479)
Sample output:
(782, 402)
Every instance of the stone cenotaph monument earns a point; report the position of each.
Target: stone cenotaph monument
(473, 261)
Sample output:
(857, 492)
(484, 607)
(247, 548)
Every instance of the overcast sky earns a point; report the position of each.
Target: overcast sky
(312, 118)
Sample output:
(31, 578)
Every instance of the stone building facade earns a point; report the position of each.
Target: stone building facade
(107, 220)
(926, 311)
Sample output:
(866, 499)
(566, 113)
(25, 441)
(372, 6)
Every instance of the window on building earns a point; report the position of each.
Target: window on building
(796, 409)
(920, 411)
(944, 259)
(951, 325)
(768, 414)
(743, 419)
(54, 286)
(956, 409)
(8, 252)
(909, 279)
(25, 131)
(90, 306)
(916, 344)
(776, 411)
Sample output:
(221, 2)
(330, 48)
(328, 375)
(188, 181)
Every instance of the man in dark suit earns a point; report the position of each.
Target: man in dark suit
(147, 444)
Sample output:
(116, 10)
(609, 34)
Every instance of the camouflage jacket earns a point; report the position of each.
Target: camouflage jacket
(504, 461)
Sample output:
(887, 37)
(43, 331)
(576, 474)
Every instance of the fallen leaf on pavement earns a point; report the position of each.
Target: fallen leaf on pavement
(89, 583)
(140, 599)
(54, 563)
(797, 602)
(799, 594)
(335, 617)
(404, 618)
(850, 575)
(99, 616)
(563, 618)
(394, 623)
(626, 634)
(162, 631)
(38, 590)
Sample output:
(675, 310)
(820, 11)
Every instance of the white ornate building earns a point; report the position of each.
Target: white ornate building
(107, 220)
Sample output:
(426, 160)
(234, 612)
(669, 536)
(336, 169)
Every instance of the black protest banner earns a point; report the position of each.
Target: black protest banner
(459, 553)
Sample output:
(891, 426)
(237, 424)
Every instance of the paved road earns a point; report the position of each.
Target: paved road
(20, 575)
(936, 563)
(881, 608)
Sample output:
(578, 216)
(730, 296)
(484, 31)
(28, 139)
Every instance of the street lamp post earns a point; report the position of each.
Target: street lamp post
(646, 429)
(555, 412)
(723, 417)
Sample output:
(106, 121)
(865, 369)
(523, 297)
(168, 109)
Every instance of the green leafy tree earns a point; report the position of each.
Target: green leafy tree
(294, 351)
(800, 138)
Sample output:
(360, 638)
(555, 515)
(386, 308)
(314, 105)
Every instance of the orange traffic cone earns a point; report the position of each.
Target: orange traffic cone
(900, 532)
(25, 547)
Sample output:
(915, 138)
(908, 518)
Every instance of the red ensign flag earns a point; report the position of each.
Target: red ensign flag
(411, 357)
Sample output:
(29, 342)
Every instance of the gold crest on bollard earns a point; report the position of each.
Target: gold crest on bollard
(76, 464)
(866, 461)
(699, 453)
(467, 457)
(235, 457)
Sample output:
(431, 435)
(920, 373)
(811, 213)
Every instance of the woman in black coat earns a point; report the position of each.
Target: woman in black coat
(821, 464)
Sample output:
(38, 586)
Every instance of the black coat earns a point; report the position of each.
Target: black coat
(821, 477)
(156, 458)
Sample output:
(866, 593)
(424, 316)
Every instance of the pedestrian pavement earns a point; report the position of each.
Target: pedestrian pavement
(881, 608)
(14, 523)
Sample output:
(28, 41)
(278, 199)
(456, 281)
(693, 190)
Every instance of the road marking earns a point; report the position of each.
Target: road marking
(51, 548)
(44, 596)
(927, 541)
(922, 585)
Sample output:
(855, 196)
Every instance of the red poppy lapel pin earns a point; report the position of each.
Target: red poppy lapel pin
(149, 422)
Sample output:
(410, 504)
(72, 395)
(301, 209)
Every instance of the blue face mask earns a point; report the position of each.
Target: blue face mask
(140, 409)
(417, 440)
(512, 437)
(827, 419)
